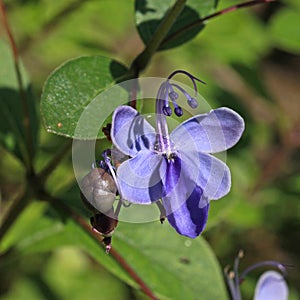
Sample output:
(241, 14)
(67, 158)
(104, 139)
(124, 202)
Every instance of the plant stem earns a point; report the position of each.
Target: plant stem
(200, 22)
(22, 93)
(13, 212)
(162, 30)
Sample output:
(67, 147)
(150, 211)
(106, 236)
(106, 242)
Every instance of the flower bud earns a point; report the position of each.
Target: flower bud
(105, 224)
(98, 190)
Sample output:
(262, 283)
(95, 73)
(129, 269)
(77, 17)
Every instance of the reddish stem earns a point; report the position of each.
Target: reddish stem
(26, 118)
(233, 8)
(114, 253)
(200, 22)
(8, 31)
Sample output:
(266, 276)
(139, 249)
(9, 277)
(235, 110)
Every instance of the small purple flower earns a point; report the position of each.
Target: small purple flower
(271, 286)
(178, 167)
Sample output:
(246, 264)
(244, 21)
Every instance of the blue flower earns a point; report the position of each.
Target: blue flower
(271, 286)
(178, 167)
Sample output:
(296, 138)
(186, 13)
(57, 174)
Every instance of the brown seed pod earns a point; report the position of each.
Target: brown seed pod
(98, 191)
(105, 224)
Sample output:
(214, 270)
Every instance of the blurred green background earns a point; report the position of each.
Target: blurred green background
(250, 61)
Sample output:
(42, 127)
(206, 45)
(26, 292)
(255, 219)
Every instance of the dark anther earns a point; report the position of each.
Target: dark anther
(167, 111)
(178, 111)
(192, 102)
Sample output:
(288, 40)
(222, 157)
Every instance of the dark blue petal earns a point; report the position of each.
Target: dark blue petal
(188, 219)
(130, 131)
(271, 286)
(213, 132)
(171, 177)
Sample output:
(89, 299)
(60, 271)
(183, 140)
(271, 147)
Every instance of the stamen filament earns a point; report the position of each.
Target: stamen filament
(271, 263)
(193, 78)
(161, 122)
(113, 174)
(191, 101)
(229, 275)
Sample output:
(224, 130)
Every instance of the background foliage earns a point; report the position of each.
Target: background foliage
(250, 60)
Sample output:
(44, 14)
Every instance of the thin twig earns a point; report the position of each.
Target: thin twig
(201, 21)
(19, 203)
(22, 93)
(57, 204)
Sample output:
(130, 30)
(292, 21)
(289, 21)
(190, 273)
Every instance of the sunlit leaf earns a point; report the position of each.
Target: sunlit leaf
(72, 87)
(149, 14)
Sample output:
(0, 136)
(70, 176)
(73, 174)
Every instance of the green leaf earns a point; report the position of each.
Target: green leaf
(174, 267)
(149, 14)
(69, 92)
(284, 30)
(12, 133)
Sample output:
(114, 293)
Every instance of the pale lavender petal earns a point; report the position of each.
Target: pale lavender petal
(271, 286)
(147, 177)
(210, 173)
(130, 131)
(188, 219)
(216, 131)
(139, 177)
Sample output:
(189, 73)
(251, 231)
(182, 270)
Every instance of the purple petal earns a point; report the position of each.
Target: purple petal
(130, 131)
(271, 286)
(188, 219)
(210, 173)
(148, 177)
(216, 131)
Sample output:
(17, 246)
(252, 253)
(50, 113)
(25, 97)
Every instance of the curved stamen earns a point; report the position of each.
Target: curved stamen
(270, 263)
(107, 160)
(236, 275)
(234, 280)
(166, 94)
(230, 276)
(192, 102)
(174, 96)
(193, 78)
